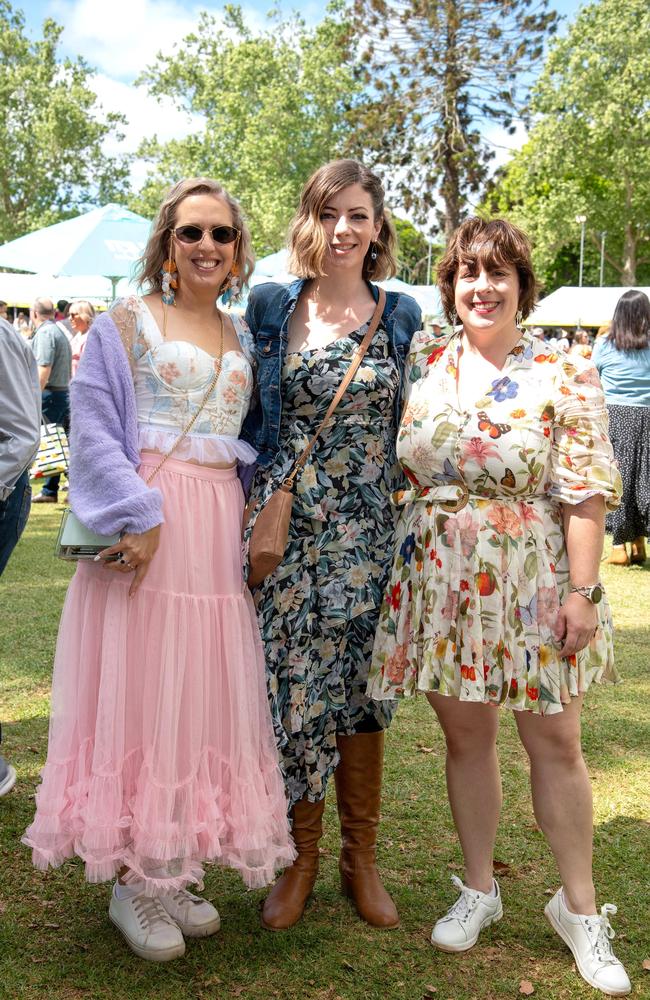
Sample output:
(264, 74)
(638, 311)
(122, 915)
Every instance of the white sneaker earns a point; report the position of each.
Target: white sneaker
(147, 927)
(459, 929)
(7, 777)
(588, 937)
(195, 916)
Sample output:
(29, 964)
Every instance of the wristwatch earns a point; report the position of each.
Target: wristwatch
(593, 594)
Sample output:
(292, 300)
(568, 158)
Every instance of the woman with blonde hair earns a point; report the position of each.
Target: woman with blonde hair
(318, 610)
(81, 317)
(161, 754)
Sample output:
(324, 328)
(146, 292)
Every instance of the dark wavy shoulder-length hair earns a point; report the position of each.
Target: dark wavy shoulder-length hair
(307, 239)
(149, 266)
(492, 242)
(630, 329)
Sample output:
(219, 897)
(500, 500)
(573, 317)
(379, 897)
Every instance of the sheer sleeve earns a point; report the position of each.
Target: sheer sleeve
(582, 458)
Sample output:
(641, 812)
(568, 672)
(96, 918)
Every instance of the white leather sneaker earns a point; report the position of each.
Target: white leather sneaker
(459, 929)
(589, 938)
(148, 929)
(195, 916)
(7, 777)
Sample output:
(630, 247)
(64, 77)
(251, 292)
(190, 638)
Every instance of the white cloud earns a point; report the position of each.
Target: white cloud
(122, 37)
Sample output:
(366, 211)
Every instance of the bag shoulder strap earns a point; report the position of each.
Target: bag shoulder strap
(349, 375)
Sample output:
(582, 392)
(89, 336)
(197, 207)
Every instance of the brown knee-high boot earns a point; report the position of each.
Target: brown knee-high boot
(358, 796)
(284, 905)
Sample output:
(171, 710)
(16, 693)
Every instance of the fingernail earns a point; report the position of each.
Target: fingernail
(97, 558)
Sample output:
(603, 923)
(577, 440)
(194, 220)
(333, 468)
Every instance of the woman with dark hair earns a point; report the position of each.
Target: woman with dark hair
(161, 754)
(318, 610)
(494, 596)
(622, 358)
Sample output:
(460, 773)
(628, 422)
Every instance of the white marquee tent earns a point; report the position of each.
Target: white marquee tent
(570, 306)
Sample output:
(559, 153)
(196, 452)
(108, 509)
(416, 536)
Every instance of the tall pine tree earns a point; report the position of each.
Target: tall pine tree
(439, 74)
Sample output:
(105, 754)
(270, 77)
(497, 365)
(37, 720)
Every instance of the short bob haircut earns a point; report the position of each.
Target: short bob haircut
(492, 243)
(307, 239)
(630, 329)
(149, 266)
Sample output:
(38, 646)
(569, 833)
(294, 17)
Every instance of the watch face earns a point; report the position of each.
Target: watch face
(596, 594)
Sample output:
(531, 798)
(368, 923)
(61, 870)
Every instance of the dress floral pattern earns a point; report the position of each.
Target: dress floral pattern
(318, 611)
(474, 592)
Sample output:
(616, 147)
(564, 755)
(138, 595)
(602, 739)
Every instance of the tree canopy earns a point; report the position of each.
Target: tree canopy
(588, 152)
(52, 164)
(438, 76)
(274, 105)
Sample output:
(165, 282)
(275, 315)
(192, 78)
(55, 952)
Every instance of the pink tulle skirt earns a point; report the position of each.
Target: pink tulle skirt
(161, 752)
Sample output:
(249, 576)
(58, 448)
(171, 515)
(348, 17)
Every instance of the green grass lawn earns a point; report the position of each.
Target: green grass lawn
(56, 941)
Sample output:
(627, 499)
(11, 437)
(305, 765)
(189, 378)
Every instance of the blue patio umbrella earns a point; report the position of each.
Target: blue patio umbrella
(105, 241)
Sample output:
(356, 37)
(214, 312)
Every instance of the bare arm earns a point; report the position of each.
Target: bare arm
(44, 374)
(584, 529)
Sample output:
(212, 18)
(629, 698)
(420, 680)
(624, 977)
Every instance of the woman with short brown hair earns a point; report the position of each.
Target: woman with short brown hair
(318, 610)
(494, 598)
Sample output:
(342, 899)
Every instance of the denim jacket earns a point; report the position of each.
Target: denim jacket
(269, 308)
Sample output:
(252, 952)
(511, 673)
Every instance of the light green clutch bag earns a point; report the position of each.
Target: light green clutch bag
(77, 542)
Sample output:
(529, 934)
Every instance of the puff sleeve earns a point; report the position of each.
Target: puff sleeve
(582, 458)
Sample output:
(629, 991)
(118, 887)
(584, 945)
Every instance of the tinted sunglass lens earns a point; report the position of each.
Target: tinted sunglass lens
(189, 234)
(224, 234)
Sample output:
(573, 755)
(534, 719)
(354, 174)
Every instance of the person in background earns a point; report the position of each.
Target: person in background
(22, 325)
(622, 358)
(20, 423)
(581, 344)
(562, 342)
(3, 310)
(51, 349)
(81, 316)
(62, 317)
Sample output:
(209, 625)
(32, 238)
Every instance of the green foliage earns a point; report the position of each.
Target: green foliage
(413, 252)
(51, 132)
(438, 74)
(274, 106)
(589, 150)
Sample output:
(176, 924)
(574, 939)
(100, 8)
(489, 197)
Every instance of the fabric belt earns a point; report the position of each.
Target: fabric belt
(453, 496)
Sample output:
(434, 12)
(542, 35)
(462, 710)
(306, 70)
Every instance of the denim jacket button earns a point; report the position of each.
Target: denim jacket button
(267, 348)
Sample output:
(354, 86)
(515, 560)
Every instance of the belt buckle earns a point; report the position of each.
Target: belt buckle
(453, 506)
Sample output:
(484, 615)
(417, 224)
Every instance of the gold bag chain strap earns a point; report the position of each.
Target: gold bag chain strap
(188, 427)
(349, 375)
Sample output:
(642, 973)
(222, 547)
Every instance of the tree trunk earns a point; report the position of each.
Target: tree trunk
(450, 187)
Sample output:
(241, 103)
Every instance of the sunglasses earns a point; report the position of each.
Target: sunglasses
(194, 234)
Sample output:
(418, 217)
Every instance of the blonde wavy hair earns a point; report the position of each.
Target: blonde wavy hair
(149, 266)
(307, 238)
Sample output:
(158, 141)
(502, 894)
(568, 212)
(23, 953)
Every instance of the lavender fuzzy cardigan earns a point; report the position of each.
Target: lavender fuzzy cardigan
(106, 492)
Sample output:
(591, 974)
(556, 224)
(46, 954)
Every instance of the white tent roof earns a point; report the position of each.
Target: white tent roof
(22, 289)
(571, 306)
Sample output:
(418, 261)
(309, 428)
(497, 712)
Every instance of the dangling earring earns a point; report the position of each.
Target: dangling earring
(454, 319)
(232, 286)
(373, 252)
(519, 318)
(169, 277)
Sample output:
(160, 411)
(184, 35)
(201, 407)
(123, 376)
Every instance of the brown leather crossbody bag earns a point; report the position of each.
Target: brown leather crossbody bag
(270, 532)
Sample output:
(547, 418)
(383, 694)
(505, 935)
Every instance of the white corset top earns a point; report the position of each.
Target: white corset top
(171, 379)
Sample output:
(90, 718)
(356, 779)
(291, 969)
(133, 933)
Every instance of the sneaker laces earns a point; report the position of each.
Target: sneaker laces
(463, 907)
(600, 928)
(150, 911)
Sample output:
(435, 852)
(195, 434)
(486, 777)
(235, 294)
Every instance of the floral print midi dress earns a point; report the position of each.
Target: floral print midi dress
(476, 584)
(318, 610)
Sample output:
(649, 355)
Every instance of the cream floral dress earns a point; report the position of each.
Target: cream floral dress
(480, 566)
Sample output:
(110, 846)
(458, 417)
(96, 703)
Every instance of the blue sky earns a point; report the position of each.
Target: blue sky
(119, 38)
